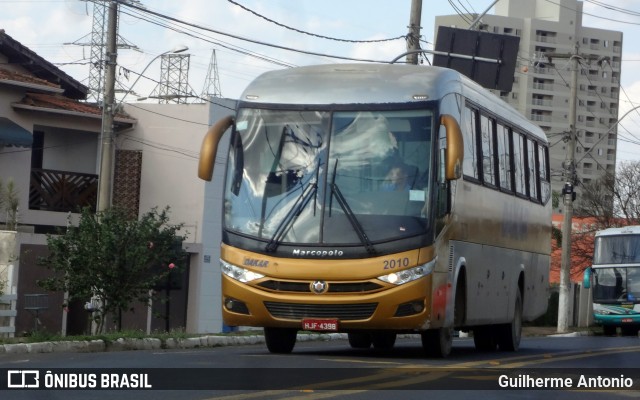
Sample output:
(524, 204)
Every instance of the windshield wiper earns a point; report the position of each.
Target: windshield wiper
(293, 214)
(357, 226)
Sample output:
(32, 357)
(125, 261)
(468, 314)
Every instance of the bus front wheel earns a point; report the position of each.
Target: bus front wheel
(280, 340)
(359, 340)
(383, 340)
(437, 342)
(629, 330)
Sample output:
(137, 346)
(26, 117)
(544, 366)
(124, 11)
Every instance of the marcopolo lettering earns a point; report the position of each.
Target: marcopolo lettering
(318, 253)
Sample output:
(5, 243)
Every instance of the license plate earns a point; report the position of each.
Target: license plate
(319, 324)
(625, 320)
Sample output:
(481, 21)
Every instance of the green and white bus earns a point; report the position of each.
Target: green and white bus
(615, 280)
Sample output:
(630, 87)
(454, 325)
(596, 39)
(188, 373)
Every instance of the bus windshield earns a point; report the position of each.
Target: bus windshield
(620, 249)
(616, 284)
(329, 177)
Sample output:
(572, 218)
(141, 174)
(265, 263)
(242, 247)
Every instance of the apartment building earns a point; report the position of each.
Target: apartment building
(541, 89)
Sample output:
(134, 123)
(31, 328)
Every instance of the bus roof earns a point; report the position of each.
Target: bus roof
(626, 230)
(374, 84)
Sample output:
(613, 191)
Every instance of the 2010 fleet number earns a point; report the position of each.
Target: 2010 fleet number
(396, 263)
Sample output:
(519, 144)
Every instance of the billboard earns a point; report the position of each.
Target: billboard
(472, 45)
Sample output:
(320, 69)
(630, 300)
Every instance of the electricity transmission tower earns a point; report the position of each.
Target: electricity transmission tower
(97, 45)
(212, 81)
(174, 79)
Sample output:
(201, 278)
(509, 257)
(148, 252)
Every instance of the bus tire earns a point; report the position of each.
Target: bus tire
(629, 330)
(437, 342)
(484, 338)
(359, 340)
(383, 340)
(280, 340)
(609, 330)
(509, 335)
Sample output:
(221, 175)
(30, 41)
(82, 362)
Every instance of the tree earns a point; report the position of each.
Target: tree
(113, 260)
(611, 201)
(9, 204)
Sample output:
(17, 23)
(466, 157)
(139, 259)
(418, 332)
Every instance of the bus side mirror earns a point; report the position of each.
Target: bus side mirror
(586, 281)
(454, 153)
(210, 147)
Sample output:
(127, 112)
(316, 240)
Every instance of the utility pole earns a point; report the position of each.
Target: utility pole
(106, 154)
(413, 37)
(568, 193)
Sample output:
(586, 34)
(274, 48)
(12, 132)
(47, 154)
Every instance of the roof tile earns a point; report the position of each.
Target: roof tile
(6, 74)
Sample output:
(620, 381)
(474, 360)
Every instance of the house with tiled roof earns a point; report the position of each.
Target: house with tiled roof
(50, 148)
(49, 138)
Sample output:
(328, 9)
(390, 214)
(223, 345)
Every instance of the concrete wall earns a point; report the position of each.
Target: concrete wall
(170, 137)
(8, 259)
(208, 312)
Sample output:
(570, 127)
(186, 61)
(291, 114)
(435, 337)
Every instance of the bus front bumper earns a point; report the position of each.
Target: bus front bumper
(404, 307)
(616, 319)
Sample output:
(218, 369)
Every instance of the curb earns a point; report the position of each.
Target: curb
(572, 334)
(208, 341)
(126, 344)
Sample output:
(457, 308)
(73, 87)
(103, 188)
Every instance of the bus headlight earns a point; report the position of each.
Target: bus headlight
(408, 275)
(240, 274)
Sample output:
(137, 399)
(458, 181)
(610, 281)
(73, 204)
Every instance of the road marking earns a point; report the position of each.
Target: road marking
(396, 377)
(348, 360)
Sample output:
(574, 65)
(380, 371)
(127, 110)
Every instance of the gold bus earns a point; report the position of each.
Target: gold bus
(382, 199)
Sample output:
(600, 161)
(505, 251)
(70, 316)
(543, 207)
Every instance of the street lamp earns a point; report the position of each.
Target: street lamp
(108, 113)
(179, 49)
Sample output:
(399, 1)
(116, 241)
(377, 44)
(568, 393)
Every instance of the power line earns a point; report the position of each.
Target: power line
(204, 28)
(314, 34)
(460, 13)
(614, 8)
(594, 15)
(465, 8)
(196, 35)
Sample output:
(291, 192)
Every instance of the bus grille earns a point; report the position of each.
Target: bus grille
(304, 287)
(344, 312)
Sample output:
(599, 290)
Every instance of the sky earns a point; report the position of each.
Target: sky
(50, 27)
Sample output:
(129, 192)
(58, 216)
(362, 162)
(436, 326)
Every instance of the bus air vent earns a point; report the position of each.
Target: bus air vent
(343, 312)
(450, 258)
(334, 287)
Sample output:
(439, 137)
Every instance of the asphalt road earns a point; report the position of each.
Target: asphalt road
(334, 370)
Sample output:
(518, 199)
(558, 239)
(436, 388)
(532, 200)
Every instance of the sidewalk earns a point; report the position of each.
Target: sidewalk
(94, 346)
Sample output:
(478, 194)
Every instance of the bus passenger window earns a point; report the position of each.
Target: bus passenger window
(486, 137)
(519, 161)
(545, 185)
(533, 173)
(504, 157)
(470, 163)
